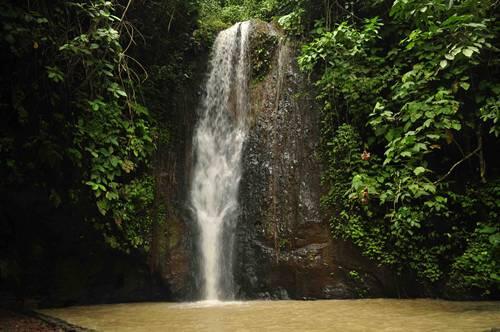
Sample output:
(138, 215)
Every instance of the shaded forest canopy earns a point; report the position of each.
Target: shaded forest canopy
(409, 99)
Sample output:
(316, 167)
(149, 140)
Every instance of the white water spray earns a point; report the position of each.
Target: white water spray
(218, 143)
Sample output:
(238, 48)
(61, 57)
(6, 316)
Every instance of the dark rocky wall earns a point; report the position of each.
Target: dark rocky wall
(173, 249)
(51, 257)
(173, 246)
(284, 246)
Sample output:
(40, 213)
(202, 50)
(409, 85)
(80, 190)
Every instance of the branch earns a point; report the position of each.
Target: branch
(458, 163)
(171, 18)
(348, 12)
(125, 10)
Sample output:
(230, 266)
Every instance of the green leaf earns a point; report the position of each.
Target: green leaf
(102, 206)
(357, 181)
(467, 52)
(487, 229)
(449, 56)
(465, 85)
(494, 239)
(114, 161)
(419, 170)
(121, 92)
(443, 63)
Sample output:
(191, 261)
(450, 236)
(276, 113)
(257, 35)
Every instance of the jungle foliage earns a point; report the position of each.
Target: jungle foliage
(83, 104)
(215, 15)
(88, 93)
(70, 98)
(410, 127)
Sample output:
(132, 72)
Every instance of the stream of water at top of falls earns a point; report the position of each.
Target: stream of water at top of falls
(218, 143)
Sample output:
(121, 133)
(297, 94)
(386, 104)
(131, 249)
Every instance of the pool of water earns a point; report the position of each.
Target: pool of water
(290, 316)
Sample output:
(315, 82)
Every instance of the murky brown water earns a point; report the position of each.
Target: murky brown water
(291, 316)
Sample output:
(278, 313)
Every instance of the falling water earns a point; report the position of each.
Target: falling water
(218, 142)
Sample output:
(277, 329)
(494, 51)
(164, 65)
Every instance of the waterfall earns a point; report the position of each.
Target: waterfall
(218, 143)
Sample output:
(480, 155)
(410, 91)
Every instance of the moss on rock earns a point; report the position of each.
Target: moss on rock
(263, 47)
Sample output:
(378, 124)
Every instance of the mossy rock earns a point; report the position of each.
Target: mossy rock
(263, 48)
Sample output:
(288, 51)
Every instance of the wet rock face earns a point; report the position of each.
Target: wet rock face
(284, 246)
(172, 254)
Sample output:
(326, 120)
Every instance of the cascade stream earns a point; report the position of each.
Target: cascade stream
(218, 144)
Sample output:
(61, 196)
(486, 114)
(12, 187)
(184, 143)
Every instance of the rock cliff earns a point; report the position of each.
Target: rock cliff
(284, 248)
